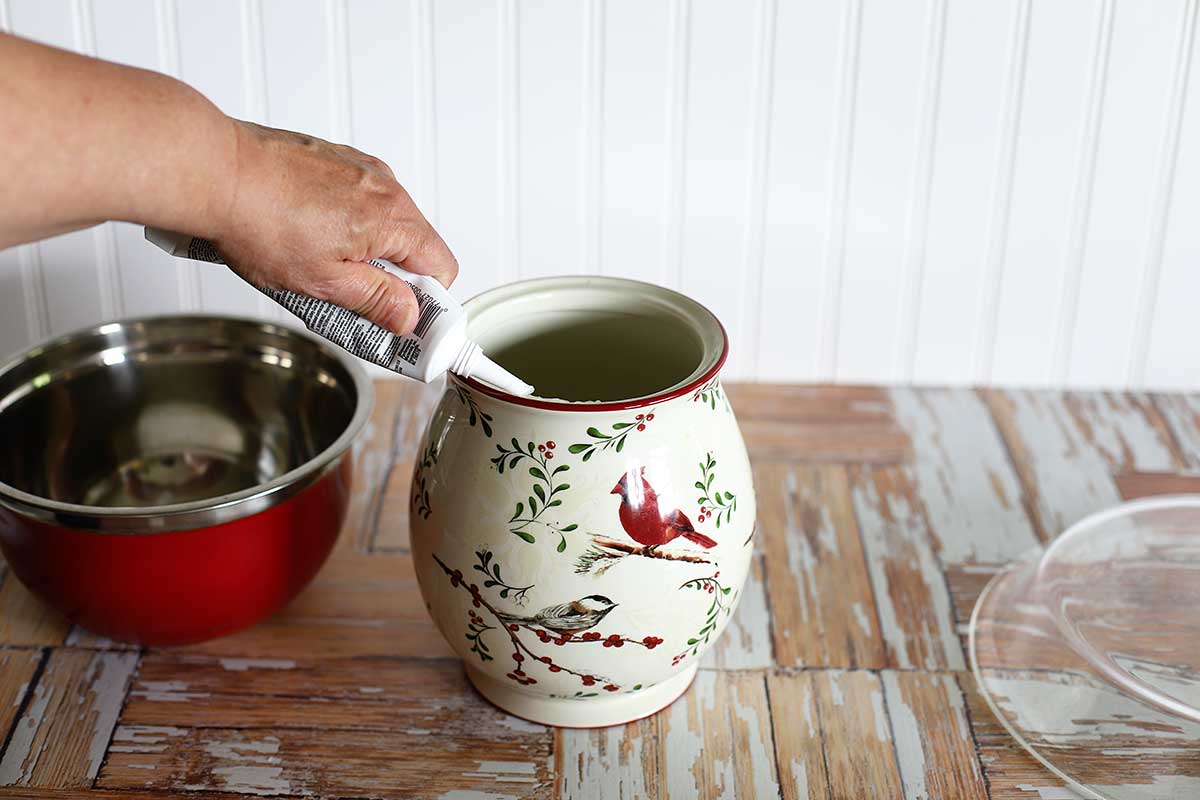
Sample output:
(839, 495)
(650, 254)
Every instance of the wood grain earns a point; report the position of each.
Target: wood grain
(934, 746)
(818, 423)
(821, 600)
(1182, 413)
(970, 493)
(17, 670)
(372, 457)
(27, 621)
(326, 762)
(64, 731)
(857, 739)
(911, 598)
(358, 605)
(1133, 485)
(1067, 447)
(799, 742)
(416, 404)
(377, 694)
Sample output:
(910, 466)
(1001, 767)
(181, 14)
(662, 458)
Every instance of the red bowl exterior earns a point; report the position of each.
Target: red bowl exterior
(181, 587)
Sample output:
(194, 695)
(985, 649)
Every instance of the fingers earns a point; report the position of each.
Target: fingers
(372, 293)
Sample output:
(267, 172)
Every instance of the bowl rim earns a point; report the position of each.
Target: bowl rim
(208, 511)
(687, 386)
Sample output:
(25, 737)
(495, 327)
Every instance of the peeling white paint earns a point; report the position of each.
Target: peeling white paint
(906, 732)
(518, 724)
(835, 689)
(761, 758)
(143, 738)
(17, 766)
(243, 664)
(109, 674)
(963, 476)
(800, 777)
(684, 742)
(880, 716)
(505, 771)
(860, 616)
(248, 779)
(603, 763)
(469, 794)
(1182, 413)
(746, 641)
(905, 539)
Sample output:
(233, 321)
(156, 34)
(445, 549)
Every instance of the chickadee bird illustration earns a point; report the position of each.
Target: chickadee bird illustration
(572, 617)
(645, 522)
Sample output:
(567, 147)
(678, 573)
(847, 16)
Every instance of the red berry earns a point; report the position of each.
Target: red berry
(530, 680)
(703, 509)
(515, 628)
(588, 680)
(640, 417)
(717, 574)
(518, 657)
(549, 456)
(641, 426)
(555, 668)
(541, 448)
(551, 444)
(649, 417)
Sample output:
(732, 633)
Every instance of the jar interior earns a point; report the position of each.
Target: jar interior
(596, 339)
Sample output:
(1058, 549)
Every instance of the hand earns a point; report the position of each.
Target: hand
(304, 214)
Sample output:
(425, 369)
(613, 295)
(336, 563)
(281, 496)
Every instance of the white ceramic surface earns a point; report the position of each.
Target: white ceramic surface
(534, 523)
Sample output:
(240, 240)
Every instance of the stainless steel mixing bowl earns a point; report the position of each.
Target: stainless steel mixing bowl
(223, 442)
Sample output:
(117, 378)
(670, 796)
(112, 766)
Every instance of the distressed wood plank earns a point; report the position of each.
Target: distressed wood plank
(717, 741)
(964, 479)
(359, 604)
(17, 669)
(1133, 485)
(910, 592)
(1011, 773)
(623, 762)
(857, 741)
(823, 613)
(372, 457)
(406, 695)
(934, 746)
(61, 737)
(1067, 447)
(818, 423)
(1182, 413)
(142, 793)
(337, 763)
(746, 641)
(413, 412)
(26, 621)
(965, 583)
(799, 749)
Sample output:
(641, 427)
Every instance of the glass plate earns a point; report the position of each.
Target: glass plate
(1089, 651)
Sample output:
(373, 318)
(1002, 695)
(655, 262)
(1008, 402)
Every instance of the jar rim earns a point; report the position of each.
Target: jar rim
(703, 320)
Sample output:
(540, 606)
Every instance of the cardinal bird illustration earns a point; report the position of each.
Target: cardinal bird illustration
(645, 522)
(572, 617)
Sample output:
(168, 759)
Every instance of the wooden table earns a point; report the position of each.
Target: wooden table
(842, 675)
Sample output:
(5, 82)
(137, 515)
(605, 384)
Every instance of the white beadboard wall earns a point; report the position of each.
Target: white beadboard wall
(933, 191)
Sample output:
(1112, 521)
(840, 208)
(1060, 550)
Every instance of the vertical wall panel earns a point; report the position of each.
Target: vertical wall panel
(635, 128)
(72, 283)
(881, 179)
(717, 164)
(798, 189)
(966, 145)
(383, 96)
(207, 29)
(466, 49)
(1144, 42)
(1173, 360)
(551, 157)
(1048, 140)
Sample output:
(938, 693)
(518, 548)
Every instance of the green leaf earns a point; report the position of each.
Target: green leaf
(540, 492)
(728, 496)
(618, 426)
(553, 503)
(577, 448)
(691, 641)
(596, 434)
(504, 593)
(562, 545)
(496, 571)
(517, 513)
(708, 483)
(530, 448)
(701, 500)
(516, 445)
(562, 487)
(487, 429)
(700, 486)
(513, 464)
(537, 473)
(526, 536)
(588, 454)
(560, 468)
(569, 528)
(499, 465)
(636, 686)
(532, 507)
(727, 590)
(621, 444)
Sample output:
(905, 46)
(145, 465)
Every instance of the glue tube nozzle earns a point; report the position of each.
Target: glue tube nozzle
(472, 363)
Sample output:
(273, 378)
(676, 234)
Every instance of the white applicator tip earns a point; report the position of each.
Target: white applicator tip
(490, 372)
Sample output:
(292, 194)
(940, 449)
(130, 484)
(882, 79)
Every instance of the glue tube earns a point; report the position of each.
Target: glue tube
(437, 344)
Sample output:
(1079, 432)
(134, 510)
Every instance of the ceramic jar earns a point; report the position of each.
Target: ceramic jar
(582, 554)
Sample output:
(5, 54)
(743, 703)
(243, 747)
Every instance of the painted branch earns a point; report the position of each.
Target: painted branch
(623, 549)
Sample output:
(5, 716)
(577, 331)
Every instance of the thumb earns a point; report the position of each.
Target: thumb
(374, 294)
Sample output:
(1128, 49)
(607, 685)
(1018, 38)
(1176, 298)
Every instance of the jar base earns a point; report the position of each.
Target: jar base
(594, 712)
